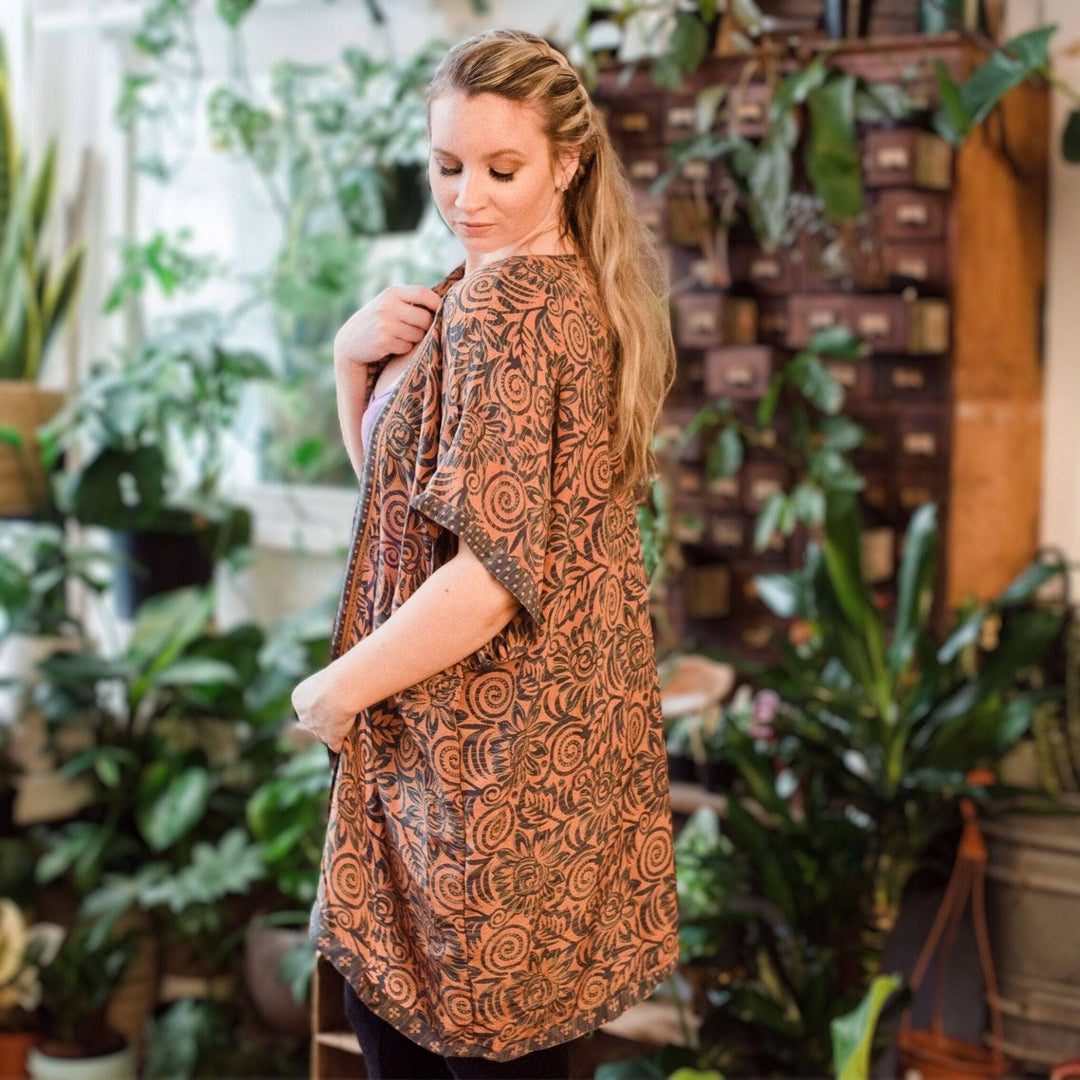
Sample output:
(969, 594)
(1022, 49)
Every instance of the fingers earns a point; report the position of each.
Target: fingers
(416, 316)
(420, 296)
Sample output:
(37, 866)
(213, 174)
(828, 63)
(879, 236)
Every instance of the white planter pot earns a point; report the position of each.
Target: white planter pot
(117, 1066)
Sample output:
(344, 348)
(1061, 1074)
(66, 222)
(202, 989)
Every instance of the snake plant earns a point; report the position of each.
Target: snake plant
(33, 298)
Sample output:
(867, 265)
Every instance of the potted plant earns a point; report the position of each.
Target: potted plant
(37, 563)
(286, 813)
(185, 726)
(152, 432)
(691, 689)
(23, 951)
(1033, 864)
(77, 1040)
(35, 298)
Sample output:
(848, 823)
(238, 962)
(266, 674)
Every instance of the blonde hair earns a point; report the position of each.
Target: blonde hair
(597, 214)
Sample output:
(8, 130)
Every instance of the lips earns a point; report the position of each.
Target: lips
(475, 224)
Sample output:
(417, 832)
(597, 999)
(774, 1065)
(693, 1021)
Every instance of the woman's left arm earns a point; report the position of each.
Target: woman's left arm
(453, 613)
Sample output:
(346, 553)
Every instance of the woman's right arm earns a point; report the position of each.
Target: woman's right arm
(354, 385)
(393, 322)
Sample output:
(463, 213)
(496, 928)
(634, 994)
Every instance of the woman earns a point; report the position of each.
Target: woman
(498, 876)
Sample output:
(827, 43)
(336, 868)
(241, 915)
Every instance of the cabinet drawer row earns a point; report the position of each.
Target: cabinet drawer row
(644, 126)
(726, 587)
(894, 489)
(743, 373)
(887, 322)
(901, 240)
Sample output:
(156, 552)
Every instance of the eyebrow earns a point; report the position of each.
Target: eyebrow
(490, 157)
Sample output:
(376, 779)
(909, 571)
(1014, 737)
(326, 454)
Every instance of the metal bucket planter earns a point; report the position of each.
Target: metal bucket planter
(1033, 909)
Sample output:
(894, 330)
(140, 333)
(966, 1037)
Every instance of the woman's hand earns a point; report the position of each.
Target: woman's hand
(320, 709)
(393, 322)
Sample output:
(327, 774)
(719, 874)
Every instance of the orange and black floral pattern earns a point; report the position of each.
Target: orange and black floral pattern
(499, 875)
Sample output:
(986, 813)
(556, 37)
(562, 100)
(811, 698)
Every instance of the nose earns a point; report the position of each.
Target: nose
(470, 196)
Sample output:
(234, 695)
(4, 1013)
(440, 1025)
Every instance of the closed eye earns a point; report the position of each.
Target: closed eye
(504, 177)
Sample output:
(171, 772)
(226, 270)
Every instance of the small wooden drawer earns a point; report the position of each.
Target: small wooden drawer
(840, 262)
(741, 372)
(689, 479)
(766, 439)
(920, 435)
(636, 120)
(855, 376)
(915, 486)
(688, 220)
(879, 443)
(708, 591)
(724, 493)
(878, 553)
(745, 110)
(773, 320)
(696, 175)
(644, 165)
(729, 534)
(688, 516)
(745, 599)
(678, 118)
(673, 422)
(760, 481)
(880, 320)
(757, 632)
(906, 157)
(908, 380)
(740, 320)
(771, 273)
(928, 326)
(879, 494)
(699, 318)
(911, 214)
(652, 210)
(817, 274)
(924, 263)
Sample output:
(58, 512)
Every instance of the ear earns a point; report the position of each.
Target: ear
(568, 167)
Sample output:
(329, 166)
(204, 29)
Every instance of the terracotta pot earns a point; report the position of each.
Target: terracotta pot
(14, 1046)
(935, 1056)
(24, 406)
(264, 946)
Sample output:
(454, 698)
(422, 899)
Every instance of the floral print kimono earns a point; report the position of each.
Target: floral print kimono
(498, 875)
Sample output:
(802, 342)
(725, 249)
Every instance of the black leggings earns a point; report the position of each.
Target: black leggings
(390, 1055)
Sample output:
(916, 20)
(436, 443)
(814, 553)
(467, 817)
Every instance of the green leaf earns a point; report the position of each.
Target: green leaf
(952, 121)
(705, 105)
(1028, 582)
(853, 1033)
(815, 382)
(781, 593)
(197, 671)
(172, 814)
(809, 502)
(1006, 67)
(833, 162)
(726, 453)
(768, 519)
(797, 86)
(839, 341)
(1070, 138)
(769, 183)
(915, 585)
(841, 433)
(1024, 639)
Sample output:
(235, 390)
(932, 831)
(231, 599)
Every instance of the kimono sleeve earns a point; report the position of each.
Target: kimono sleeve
(492, 479)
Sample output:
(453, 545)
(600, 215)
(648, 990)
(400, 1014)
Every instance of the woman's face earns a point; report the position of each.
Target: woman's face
(489, 168)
